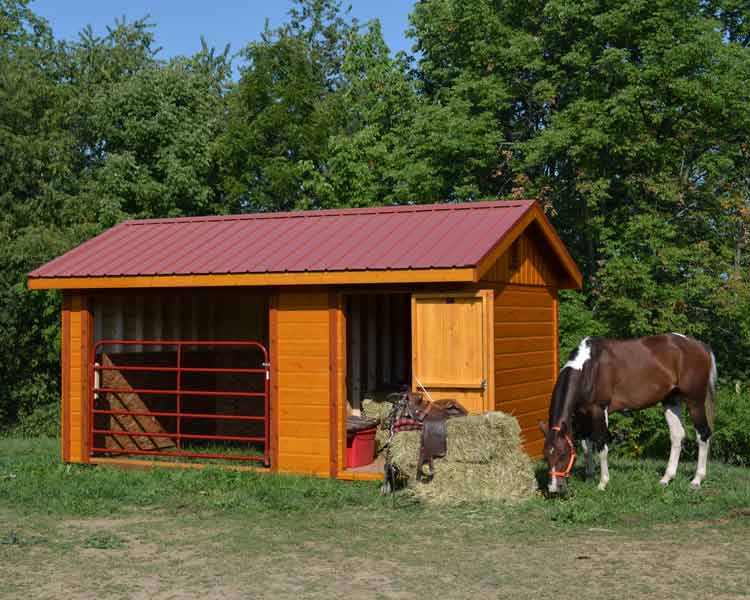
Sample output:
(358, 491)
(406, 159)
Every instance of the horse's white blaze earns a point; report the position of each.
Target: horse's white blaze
(700, 471)
(604, 466)
(676, 435)
(680, 334)
(606, 417)
(552, 487)
(582, 355)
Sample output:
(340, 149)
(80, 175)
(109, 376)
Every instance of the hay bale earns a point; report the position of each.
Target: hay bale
(376, 410)
(373, 409)
(484, 462)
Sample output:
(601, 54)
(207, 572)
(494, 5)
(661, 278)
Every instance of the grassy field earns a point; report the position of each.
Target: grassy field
(75, 531)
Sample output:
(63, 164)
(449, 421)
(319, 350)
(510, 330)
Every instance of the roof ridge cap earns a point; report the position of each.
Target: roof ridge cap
(336, 212)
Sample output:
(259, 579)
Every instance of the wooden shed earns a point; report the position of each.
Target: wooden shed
(182, 337)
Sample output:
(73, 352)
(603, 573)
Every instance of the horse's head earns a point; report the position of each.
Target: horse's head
(560, 453)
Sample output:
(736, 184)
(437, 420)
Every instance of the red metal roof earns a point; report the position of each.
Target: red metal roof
(433, 236)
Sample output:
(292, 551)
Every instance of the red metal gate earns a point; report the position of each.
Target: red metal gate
(180, 395)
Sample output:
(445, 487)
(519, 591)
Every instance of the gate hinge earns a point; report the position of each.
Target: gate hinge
(484, 384)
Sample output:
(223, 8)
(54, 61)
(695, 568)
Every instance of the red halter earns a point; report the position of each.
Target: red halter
(571, 461)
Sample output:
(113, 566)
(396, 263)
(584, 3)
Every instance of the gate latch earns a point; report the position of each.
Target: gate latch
(267, 367)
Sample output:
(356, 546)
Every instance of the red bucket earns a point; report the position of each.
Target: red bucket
(360, 448)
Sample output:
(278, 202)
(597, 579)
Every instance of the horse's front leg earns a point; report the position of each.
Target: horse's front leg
(676, 435)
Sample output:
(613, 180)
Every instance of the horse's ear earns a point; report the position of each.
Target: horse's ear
(543, 427)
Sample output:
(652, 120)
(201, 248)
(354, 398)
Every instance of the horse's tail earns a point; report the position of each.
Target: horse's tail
(711, 391)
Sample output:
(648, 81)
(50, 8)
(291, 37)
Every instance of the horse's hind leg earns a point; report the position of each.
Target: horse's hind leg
(703, 436)
(676, 435)
(588, 452)
(600, 437)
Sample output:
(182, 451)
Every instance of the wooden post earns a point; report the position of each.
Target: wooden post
(119, 322)
(372, 342)
(355, 351)
(386, 347)
(158, 327)
(138, 322)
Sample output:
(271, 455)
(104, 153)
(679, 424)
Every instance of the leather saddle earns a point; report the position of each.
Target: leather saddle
(433, 416)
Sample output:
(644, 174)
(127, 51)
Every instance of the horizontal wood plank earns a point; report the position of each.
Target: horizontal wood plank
(524, 405)
(538, 297)
(523, 344)
(524, 359)
(524, 390)
(514, 314)
(516, 330)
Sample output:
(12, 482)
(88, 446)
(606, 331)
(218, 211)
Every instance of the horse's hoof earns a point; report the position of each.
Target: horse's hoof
(385, 489)
(695, 485)
(664, 482)
(602, 487)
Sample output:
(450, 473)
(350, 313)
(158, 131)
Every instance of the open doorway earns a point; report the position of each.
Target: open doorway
(180, 374)
(378, 357)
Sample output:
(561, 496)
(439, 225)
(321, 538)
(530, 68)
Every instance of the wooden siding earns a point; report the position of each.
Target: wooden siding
(525, 339)
(450, 336)
(528, 261)
(76, 345)
(303, 386)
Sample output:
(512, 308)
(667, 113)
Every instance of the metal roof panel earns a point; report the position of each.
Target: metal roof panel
(399, 237)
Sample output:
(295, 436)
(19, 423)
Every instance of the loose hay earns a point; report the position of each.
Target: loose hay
(373, 409)
(484, 462)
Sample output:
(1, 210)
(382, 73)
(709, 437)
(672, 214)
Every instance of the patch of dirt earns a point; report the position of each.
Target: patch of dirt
(174, 557)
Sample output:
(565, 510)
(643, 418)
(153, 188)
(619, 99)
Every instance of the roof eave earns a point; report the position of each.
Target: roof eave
(386, 276)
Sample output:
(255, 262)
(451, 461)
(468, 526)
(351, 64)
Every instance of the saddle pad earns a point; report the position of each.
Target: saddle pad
(406, 424)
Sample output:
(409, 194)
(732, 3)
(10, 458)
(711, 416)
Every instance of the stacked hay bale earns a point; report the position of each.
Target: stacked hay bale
(373, 409)
(484, 462)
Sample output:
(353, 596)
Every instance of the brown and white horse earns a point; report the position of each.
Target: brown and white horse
(603, 376)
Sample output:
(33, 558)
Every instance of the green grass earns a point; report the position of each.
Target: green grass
(34, 482)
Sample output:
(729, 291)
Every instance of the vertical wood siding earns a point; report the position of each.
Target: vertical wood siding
(303, 382)
(529, 261)
(525, 355)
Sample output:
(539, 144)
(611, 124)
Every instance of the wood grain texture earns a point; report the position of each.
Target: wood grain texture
(76, 406)
(65, 380)
(303, 381)
(525, 344)
(273, 352)
(449, 354)
(393, 276)
(549, 246)
(528, 261)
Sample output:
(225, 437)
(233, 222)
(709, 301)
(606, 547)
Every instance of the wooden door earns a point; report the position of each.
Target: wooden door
(449, 348)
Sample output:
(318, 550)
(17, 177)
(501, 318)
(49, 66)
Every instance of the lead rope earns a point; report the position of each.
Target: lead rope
(419, 383)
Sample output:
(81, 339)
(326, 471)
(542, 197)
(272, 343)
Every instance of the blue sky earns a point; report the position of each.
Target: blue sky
(180, 23)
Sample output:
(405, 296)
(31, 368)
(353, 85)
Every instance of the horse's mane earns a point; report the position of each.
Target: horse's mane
(585, 382)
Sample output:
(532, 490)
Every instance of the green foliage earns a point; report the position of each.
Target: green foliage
(577, 321)
(37, 421)
(628, 120)
(645, 433)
